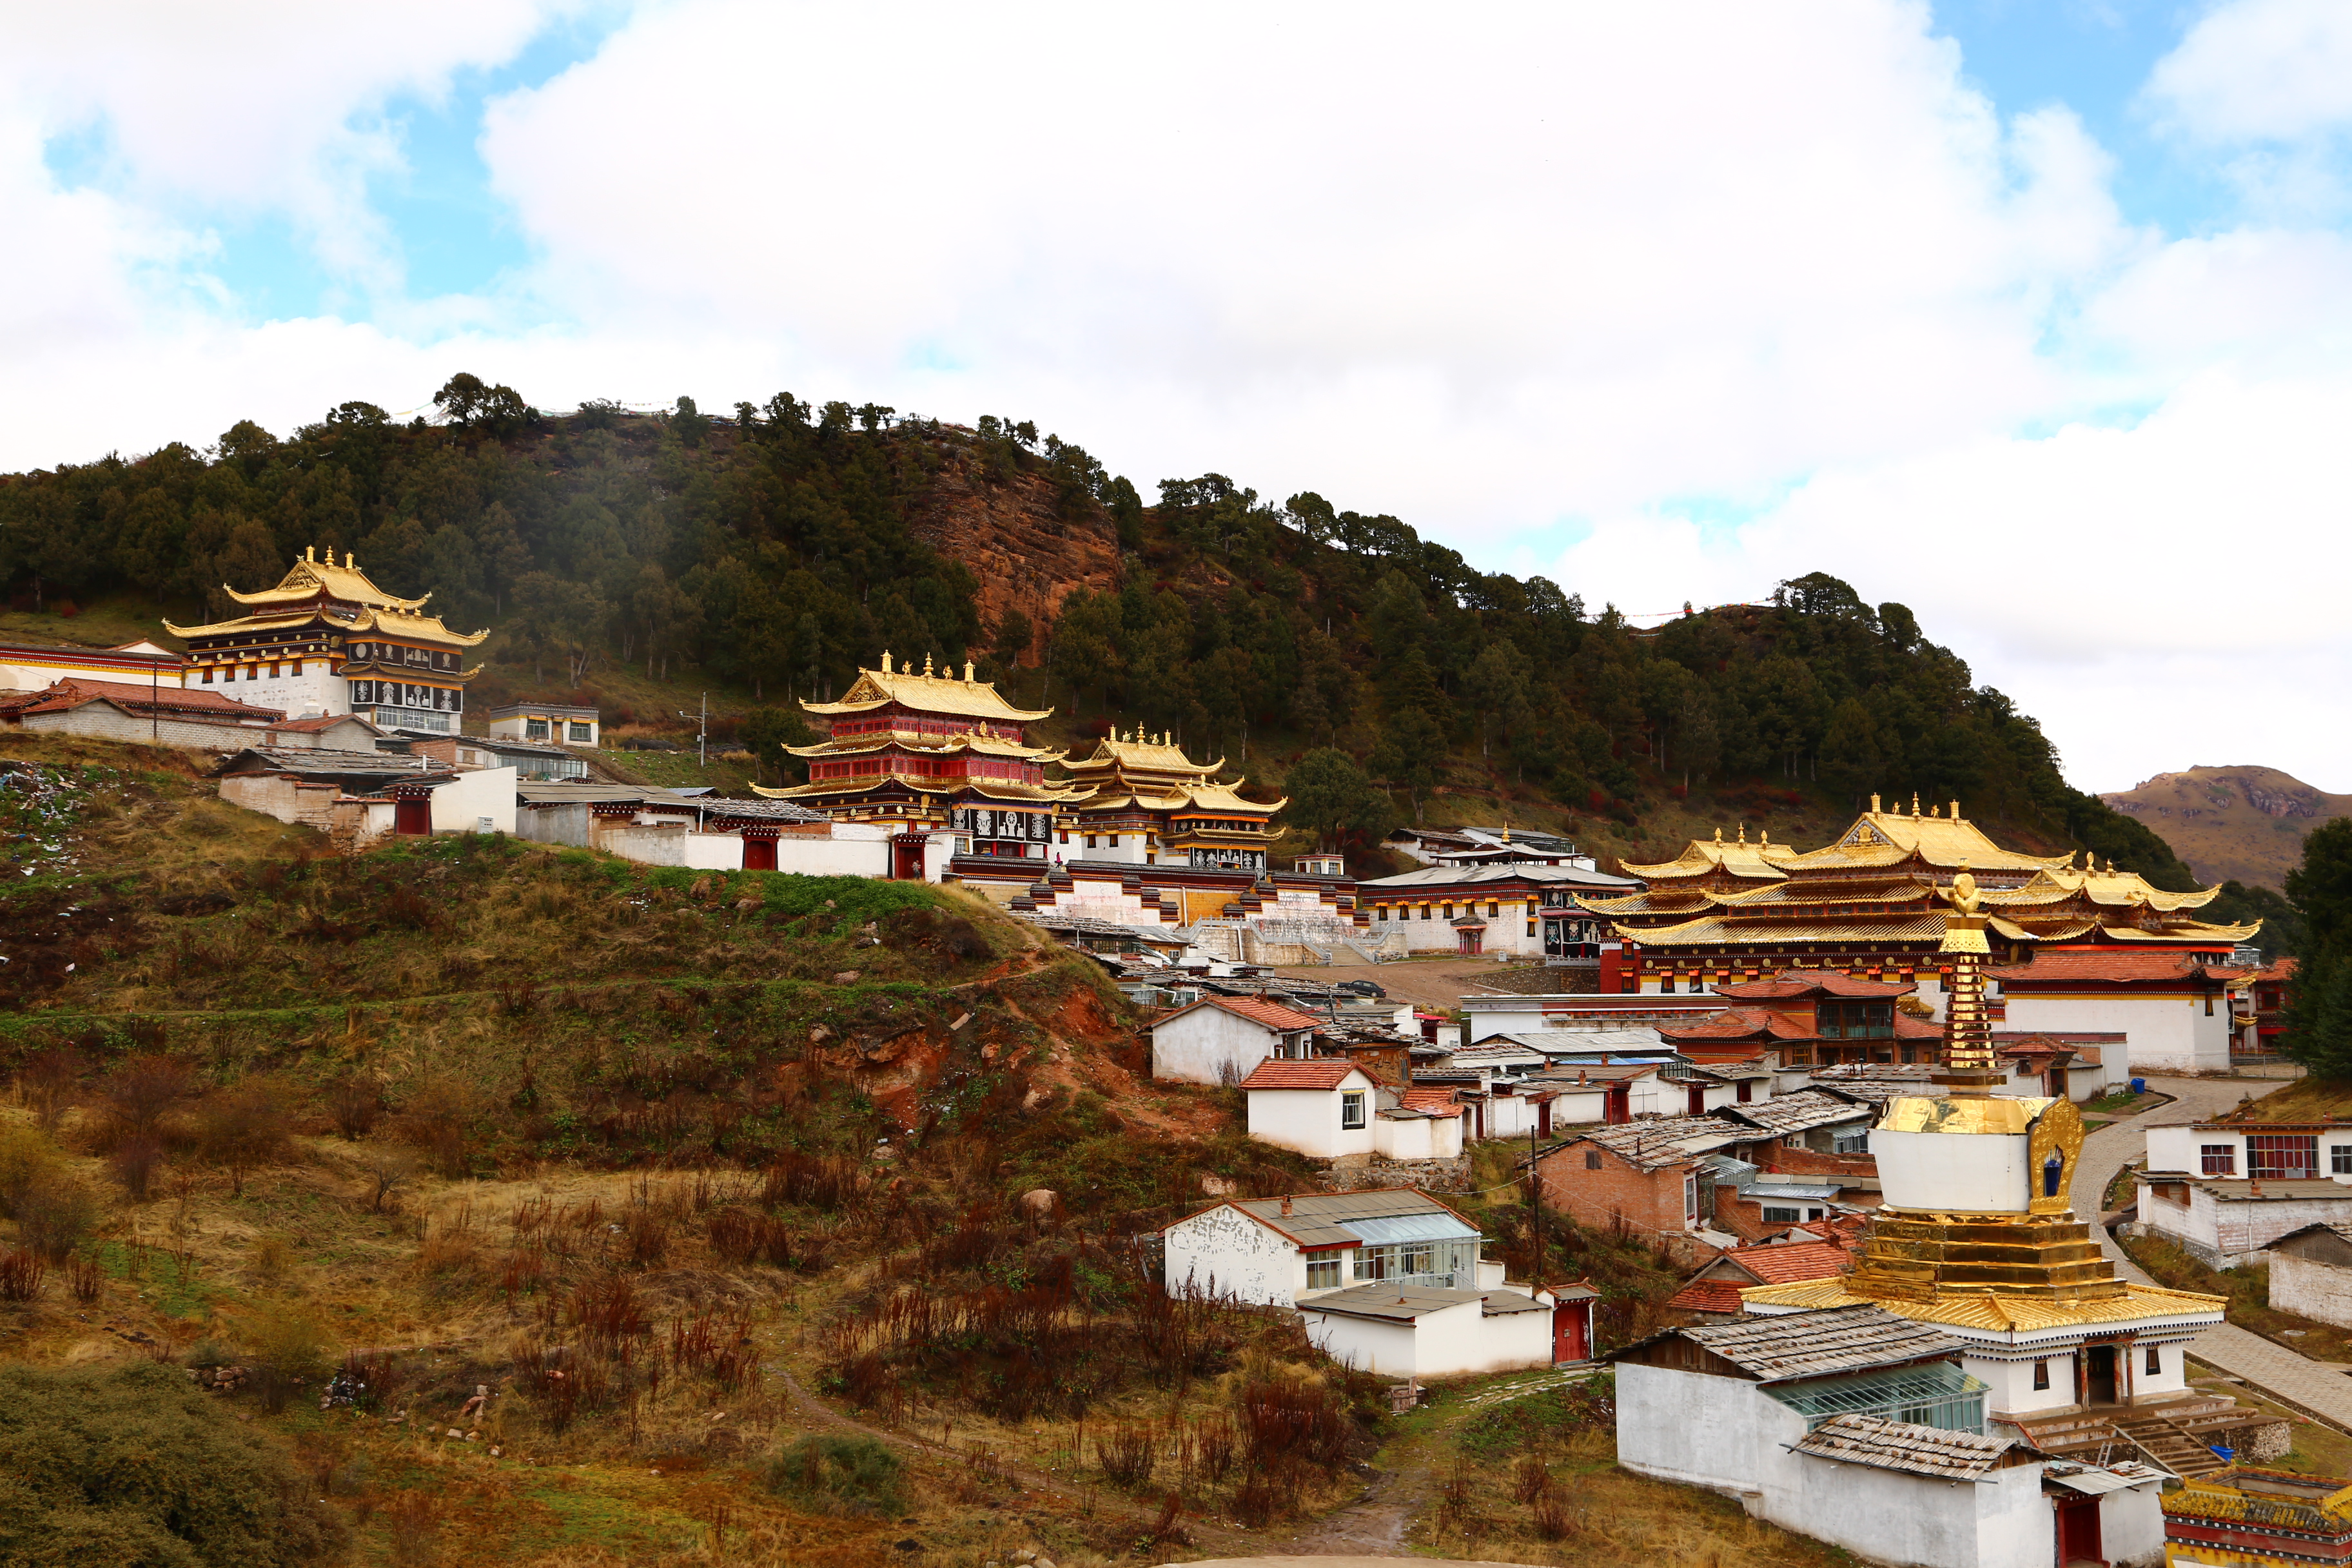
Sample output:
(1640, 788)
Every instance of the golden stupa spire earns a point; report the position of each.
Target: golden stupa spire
(1970, 1069)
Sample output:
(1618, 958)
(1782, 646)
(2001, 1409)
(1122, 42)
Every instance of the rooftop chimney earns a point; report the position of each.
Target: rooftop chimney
(1285, 1203)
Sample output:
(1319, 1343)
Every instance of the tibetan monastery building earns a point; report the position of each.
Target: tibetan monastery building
(931, 754)
(1145, 802)
(327, 640)
(1871, 905)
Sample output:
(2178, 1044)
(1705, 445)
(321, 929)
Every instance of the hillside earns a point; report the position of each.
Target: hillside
(2244, 824)
(643, 560)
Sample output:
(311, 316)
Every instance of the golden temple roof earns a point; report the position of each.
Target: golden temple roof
(2183, 931)
(2120, 890)
(392, 623)
(309, 578)
(1700, 855)
(1715, 928)
(994, 789)
(1881, 838)
(926, 694)
(1996, 1311)
(981, 745)
(1145, 755)
(1221, 797)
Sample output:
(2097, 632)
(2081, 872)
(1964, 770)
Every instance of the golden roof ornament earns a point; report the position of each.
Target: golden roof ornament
(1914, 802)
(1874, 804)
(1743, 833)
(927, 667)
(885, 661)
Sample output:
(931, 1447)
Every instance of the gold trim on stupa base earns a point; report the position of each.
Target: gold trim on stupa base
(1912, 1256)
(1994, 1311)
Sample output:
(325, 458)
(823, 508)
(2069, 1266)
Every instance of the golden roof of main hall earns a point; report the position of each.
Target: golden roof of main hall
(1995, 1312)
(392, 623)
(308, 578)
(1885, 837)
(964, 699)
(994, 789)
(981, 745)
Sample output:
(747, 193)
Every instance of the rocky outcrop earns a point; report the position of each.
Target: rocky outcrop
(2244, 822)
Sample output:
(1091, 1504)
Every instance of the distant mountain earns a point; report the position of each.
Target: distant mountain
(2243, 824)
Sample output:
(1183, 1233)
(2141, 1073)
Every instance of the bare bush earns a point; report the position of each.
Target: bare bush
(85, 1279)
(21, 1273)
(355, 1103)
(1127, 1457)
(56, 1215)
(48, 1084)
(242, 1129)
(142, 1090)
(136, 1158)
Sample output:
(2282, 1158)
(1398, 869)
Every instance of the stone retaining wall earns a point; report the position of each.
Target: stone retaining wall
(1430, 1175)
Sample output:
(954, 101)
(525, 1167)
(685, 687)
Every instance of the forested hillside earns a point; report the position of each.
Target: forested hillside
(776, 550)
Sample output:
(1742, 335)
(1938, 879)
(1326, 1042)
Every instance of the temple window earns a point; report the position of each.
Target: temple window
(2282, 1157)
(2040, 1374)
(2155, 1361)
(2218, 1159)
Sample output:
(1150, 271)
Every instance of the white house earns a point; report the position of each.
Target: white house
(2224, 1191)
(1332, 1110)
(2174, 1011)
(1391, 1277)
(1406, 1331)
(1219, 1039)
(2311, 1273)
(1861, 1428)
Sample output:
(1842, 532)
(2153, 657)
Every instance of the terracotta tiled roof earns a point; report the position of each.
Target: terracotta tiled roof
(1270, 1074)
(73, 691)
(1791, 1261)
(1809, 982)
(2121, 968)
(1720, 1296)
(1272, 1015)
(1436, 1101)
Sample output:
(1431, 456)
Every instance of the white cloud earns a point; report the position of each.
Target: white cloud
(2157, 595)
(2260, 70)
(1499, 270)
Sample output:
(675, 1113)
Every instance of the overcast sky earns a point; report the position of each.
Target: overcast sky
(2035, 315)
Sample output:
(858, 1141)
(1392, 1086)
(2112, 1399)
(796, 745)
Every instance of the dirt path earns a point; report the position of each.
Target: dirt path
(1436, 984)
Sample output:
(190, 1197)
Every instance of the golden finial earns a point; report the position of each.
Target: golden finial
(1764, 835)
(1743, 833)
(1964, 897)
(310, 553)
(1507, 830)
(967, 671)
(927, 667)
(1914, 802)
(1955, 811)
(1873, 805)
(1719, 835)
(885, 661)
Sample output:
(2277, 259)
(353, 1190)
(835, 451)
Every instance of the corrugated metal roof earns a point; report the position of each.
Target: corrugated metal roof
(1400, 1303)
(1885, 1444)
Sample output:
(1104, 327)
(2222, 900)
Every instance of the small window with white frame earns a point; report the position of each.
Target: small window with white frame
(2339, 1159)
(1323, 1272)
(1352, 1109)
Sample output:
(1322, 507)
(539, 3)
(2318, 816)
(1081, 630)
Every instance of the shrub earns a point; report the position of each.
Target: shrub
(26, 1159)
(355, 1102)
(241, 1129)
(130, 1464)
(139, 1092)
(134, 1162)
(287, 1348)
(839, 1475)
(21, 1273)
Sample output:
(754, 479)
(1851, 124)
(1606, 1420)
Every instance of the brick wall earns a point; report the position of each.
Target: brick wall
(105, 721)
(1649, 1201)
(1781, 1160)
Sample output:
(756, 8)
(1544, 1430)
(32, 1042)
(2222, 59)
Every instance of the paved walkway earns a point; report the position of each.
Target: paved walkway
(2289, 1378)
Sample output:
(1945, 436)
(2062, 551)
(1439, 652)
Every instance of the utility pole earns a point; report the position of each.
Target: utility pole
(702, 735)
(155, 696)
(1535, 1212)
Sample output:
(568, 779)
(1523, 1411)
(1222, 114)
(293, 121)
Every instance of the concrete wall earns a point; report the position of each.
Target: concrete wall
(1882, 1515)
(288, 800)
(673, 846)
(459, 806)
(1225, 1252)
(2131, 1527)
(316, 688)
(2321, 1291)
(2169, 1032)
(1308, 1120)
(2228, 1233)
(1209, 1045)
(1417, 1137)
(1450, 1339)
(105, 721)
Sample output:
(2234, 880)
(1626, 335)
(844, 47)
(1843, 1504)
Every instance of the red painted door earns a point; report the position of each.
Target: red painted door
(907, 859)
(1620, 1105)
(412, 815)
(1698, 1102)
(2078, 1532)
(759, 854)
(1571, 1331)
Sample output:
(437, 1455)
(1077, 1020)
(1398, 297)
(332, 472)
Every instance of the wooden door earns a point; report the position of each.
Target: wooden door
(2078, 1532)
(907, 859)
(412, 815)
(759, 854)
(1571, 1331)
